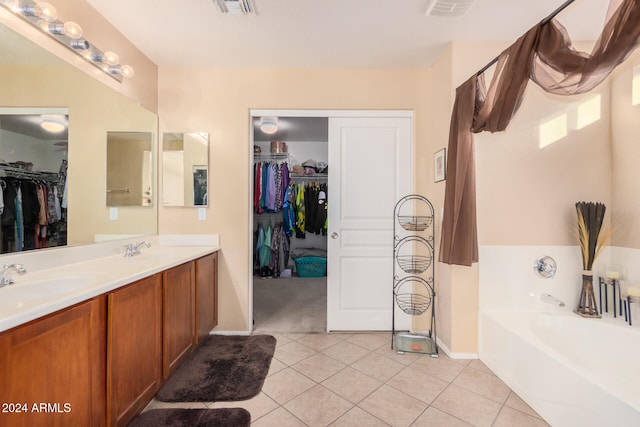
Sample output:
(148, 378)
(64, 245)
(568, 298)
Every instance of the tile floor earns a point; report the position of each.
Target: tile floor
(357, 380)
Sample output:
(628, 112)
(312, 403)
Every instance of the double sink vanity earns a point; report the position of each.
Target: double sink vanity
(88, 335)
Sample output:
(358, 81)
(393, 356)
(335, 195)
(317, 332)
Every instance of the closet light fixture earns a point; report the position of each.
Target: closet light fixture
(269, 125)
(52, 124)
(44, 16)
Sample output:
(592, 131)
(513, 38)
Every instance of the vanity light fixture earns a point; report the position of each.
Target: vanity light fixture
(269, 125)
(43, 16)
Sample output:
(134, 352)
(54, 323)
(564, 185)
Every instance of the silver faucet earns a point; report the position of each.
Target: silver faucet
(550, 299)
(130, 249)
(7, 280)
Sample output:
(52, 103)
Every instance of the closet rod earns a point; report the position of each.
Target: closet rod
(316, 177)
(545, 21)
(11, 172)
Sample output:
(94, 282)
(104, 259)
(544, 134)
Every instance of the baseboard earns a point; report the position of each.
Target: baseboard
(229, 333)
(453, 355)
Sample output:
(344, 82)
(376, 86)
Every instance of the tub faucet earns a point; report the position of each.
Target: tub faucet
(130, 249)
(7, 280)
(550, 299)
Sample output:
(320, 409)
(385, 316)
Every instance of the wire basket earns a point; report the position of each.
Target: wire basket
(414, 264)
(311, 266)
(413, 295)
(414, 222)
(413, 304)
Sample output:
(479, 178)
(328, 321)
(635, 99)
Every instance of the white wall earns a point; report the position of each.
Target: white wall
(44, 155)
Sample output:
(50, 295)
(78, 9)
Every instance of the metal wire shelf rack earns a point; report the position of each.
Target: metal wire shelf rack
(413, 271)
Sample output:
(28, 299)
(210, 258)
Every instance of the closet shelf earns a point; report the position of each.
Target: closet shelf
(270, 156)
(313, 177)
(11, 172)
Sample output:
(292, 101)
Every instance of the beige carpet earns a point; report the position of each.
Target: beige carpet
(290, 305)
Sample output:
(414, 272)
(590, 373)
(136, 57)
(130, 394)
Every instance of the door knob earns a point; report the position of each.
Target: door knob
(334, 235)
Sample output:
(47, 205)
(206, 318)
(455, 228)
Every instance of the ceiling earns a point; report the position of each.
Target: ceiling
(327, 33)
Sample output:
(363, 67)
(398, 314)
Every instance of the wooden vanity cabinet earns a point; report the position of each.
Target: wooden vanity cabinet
(134, 348)
(179, 311)
(206, 295)
(52, 370)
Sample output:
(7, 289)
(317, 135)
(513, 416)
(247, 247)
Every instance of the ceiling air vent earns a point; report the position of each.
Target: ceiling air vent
(448, 7)
(235, 7)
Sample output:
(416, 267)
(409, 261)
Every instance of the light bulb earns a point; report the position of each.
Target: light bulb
(127, 71)
(53, 127)
(69, 29)
(110, 58)
(269, 125)
(46, 11)
(72, 30)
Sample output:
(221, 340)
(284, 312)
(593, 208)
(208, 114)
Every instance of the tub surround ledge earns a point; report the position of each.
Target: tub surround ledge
(58, 278)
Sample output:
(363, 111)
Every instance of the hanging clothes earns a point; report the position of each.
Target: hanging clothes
(300, 212)
(272, 247)
(288, 210)
(310, 208)
(9, 216)
(31, 208)
(271, 178)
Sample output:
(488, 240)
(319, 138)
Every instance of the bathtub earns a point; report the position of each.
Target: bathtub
(571, 370)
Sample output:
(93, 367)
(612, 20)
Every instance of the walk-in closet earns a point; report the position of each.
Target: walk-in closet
(33, 170)
(290, 205)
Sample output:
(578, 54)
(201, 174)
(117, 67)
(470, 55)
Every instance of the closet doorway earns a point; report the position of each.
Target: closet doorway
(290, 173)
(348, 167)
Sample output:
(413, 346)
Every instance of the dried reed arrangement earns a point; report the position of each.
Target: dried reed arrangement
(591, 239)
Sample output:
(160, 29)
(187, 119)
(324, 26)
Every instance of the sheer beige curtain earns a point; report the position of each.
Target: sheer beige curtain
(545, 55)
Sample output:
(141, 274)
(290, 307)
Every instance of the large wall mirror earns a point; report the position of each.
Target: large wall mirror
(32, 78)
(185, 169)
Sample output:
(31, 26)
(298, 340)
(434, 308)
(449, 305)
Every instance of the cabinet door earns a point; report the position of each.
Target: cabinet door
(206, 294)
(134, 348)
(179, 315)
(52, 370)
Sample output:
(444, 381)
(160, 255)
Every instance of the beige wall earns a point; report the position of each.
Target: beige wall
(625, 134)
(218, 101)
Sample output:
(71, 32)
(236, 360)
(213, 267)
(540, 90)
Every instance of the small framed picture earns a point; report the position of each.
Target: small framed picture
(440, 165)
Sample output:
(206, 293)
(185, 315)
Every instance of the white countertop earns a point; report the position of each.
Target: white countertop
(61, 277)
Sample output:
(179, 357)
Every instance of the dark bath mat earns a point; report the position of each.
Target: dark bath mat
(180, 417)
(222, 368)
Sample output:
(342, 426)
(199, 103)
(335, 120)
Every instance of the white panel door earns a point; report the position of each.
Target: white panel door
(369, 170)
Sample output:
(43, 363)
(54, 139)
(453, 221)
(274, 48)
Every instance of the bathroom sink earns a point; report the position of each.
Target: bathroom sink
(28, 292)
